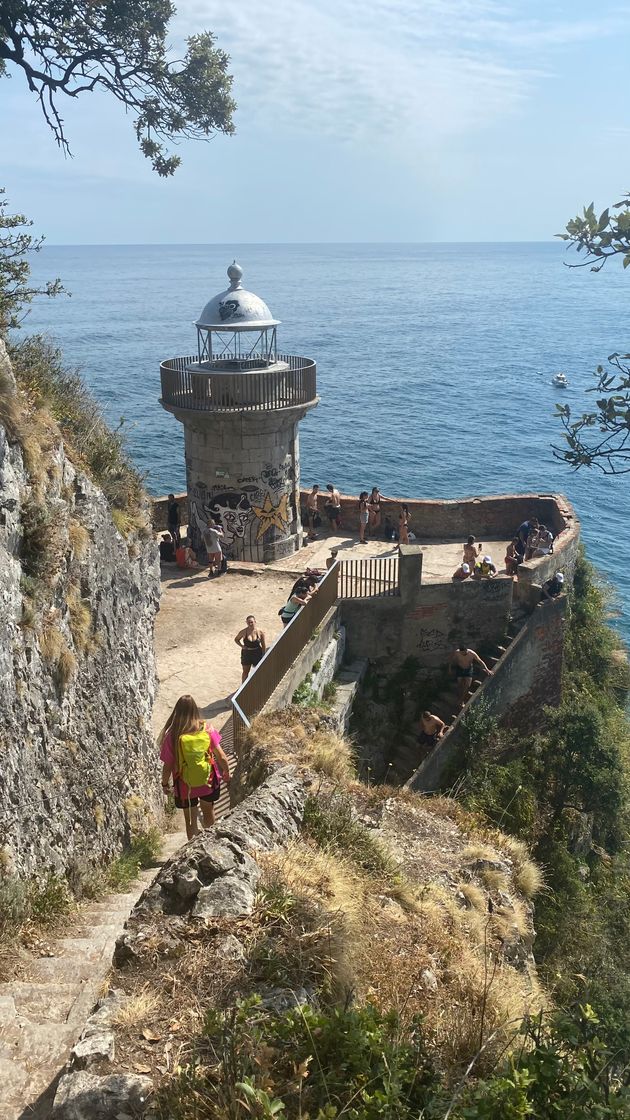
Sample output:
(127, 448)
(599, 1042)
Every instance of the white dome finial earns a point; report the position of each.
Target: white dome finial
(235, 273)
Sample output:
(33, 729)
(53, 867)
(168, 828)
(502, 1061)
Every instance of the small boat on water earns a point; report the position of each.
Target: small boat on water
(560, 380)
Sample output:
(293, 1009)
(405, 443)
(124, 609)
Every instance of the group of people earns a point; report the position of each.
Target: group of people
(461, 666)
(532, 540)
(175, 549)
(371, 521)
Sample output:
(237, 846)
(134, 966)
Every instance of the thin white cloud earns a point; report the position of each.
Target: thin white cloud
(415, 71)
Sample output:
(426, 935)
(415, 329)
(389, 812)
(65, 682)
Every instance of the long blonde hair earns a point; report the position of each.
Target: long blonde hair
(184, 717)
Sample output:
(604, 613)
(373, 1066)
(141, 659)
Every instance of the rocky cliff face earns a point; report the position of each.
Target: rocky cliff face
(77, 608)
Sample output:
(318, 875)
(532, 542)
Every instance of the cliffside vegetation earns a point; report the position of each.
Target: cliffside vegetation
(565, 791)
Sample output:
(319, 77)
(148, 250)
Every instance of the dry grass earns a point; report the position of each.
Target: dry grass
(475, 898)
(338, 930)
(138, 1010)
(296, 736)
(528, 879)
(80, 619)
(79, 538)
(56, 652)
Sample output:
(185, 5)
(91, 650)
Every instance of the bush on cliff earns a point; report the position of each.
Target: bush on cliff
(565, 791)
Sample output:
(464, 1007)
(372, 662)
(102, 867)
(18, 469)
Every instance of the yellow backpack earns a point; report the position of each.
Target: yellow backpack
(195, 758)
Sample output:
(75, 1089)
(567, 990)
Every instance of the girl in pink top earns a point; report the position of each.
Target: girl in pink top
(186, 719)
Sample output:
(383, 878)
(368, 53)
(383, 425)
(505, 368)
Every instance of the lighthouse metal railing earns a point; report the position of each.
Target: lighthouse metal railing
(188, 385)
(263, 680)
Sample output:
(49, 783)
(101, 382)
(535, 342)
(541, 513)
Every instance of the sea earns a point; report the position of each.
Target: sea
(434, 361)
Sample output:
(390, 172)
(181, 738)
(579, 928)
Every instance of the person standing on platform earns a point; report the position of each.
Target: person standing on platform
(173, 520)
(252, 644)
(212, 539)
(333, 507)
(312, 512)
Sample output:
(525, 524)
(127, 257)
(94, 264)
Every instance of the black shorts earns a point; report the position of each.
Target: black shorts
(251, 656)
(194, 801)
(334, 513)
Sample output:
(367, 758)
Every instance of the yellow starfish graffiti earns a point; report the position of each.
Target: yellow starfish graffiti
(272, 516)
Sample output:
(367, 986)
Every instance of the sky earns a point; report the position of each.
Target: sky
(357, 120)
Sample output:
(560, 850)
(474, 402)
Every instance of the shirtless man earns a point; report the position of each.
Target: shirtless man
(333, 506)
(311, 508)
(432, 728)
(462, 663)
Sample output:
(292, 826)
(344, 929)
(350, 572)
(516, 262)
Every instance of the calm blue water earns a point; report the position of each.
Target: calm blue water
(434, 361)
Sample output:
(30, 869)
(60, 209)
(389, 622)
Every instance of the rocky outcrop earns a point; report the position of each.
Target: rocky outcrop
(215, 875)
(77, 608)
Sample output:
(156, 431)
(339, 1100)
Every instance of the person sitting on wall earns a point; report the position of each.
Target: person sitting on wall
(432, 729)
(543, 545)
(471, 551)
(332, 559)
(513, 557)
(553, 587)
(485, 569)
(333, 507)
(173, 521)
(185, 556)
(167, 549)
(461, 664)
(461, 573)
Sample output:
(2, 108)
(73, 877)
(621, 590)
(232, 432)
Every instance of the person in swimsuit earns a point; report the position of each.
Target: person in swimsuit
(252, 644)
(512, 558)
(544, 543)
(312, 511)
(432, 729)
(185, 719)
(462, 663)
(333, 507)
(364, 515)
(374, 508)
(403, 524)
(471, 552)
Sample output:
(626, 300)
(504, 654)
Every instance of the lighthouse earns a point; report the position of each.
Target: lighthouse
(240, 402)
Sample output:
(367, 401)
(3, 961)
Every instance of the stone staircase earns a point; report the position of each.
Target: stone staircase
(408, 753)
(43, 1014)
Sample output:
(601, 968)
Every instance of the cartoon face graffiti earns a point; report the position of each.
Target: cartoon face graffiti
(234, 512)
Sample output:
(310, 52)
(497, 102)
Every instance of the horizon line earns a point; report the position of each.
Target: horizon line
(270, 244)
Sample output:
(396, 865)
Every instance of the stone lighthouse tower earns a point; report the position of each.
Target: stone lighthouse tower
(240, 402)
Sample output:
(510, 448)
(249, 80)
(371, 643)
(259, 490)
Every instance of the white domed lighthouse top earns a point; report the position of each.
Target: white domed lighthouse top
(236, 309)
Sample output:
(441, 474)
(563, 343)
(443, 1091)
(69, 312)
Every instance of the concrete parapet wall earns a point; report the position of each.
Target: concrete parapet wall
(489, 518)
(526, 678)
(431, 623)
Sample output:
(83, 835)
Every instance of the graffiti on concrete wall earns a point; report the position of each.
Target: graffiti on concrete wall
(253, 514)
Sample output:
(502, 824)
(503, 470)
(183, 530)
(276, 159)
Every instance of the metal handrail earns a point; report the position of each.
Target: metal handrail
(189, 385)
(265, 677)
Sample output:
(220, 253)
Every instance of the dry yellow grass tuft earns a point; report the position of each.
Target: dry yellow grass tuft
(78, 537)
(298, 737)
(56, 651)
(80, 619)
(475, 898)
(138, 1010)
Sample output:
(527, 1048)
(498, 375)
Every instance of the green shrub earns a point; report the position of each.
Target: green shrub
(143, 852)
(334, 828)
(355, 1063)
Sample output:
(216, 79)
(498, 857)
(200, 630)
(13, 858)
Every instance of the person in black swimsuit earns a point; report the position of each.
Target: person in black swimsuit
(253, 645)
